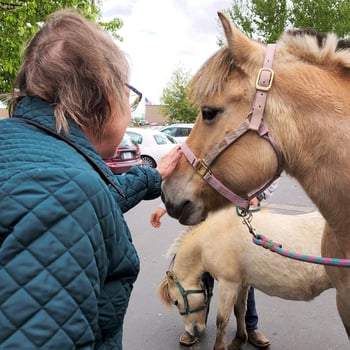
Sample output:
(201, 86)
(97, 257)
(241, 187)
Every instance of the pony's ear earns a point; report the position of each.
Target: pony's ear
(245, 51)
(163, 292)
(170, 277)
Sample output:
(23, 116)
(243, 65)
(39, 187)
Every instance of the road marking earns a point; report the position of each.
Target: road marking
(289, 207)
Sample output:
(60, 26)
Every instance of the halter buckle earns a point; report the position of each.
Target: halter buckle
(202, 168)
(260, 87)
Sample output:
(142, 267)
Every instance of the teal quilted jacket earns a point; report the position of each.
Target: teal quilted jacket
(67, 262)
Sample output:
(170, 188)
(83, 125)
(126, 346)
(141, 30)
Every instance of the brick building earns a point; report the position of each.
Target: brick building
(154, 114)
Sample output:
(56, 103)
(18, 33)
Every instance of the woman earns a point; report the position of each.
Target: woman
(67, 262)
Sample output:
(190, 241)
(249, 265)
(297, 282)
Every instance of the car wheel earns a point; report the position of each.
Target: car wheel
(148, 161)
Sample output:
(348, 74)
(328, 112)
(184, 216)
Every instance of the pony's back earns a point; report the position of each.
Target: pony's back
(223, 246)
(294, 231)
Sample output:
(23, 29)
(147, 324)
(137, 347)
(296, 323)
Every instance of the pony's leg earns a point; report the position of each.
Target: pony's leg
(333, 246)
(241, 337)
(227, 298)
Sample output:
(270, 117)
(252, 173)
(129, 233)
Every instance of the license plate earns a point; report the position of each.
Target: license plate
(127, 155)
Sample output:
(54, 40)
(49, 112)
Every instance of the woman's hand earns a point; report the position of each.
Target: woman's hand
(168, 162)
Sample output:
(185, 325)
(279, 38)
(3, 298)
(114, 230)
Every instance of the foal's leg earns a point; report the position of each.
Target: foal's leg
(241, 337)
(228, 296)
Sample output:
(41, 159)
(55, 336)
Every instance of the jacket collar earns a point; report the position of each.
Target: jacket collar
(42, 112)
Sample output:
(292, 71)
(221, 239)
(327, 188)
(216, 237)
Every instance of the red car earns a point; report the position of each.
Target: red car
(126, 156)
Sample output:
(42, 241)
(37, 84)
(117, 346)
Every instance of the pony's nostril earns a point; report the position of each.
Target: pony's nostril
(178, 210)
(186, 211)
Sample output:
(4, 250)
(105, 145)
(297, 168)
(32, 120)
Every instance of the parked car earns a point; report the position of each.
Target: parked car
(143, 122)
(155, 126)
(127, 155)
(153, 144)
(179, 131)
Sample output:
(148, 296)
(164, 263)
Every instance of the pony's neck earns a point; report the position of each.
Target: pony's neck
(188, 263)
(320, 164)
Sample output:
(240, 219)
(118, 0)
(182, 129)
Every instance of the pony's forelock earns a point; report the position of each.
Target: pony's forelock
(213, 75)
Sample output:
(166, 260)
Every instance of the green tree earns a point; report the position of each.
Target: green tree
(20, 19)
(258, 19)
(177, 105)
(322, 15)
(266, 20)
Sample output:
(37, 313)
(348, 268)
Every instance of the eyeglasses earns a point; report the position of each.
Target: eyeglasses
(134, 97)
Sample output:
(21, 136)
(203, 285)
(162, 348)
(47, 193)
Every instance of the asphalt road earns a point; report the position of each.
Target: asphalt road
(289, 325)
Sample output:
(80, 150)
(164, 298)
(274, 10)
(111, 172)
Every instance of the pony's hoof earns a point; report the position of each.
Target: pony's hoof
(187, 339)
(237, 344)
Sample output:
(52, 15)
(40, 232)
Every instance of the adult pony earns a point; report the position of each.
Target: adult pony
(222, 246)
(302, 93)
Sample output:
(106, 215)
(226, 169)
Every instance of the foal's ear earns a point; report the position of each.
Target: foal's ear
(245, 51)
(170, 277)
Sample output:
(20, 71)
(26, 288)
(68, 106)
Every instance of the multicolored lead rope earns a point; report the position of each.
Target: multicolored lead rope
(263, 241)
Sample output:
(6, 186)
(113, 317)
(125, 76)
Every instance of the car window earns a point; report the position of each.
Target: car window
(161, 139)
(184, 132)
(170, 131)
(137, 138)
(170, 138)
(126, 141)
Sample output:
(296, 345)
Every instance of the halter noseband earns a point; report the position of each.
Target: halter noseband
(254, 122)
(184, 294)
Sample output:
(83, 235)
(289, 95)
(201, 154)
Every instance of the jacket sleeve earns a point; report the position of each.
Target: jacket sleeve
(139, 183)
(272, 188)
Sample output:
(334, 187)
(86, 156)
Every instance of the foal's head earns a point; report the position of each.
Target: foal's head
(192, 301)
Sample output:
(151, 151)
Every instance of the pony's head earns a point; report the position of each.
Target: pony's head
(224, 90)
(192, 301)
(307, 81)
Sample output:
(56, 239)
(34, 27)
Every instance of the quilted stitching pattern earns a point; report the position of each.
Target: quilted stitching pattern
(54, 258)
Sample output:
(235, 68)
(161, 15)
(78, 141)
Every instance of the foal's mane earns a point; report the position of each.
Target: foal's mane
(322, 49)
(172, 250)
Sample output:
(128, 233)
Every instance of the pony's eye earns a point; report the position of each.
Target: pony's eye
(176, 303)
(210, 113)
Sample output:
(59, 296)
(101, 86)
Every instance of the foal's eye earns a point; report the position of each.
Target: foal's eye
(176, 303)
(210, 113)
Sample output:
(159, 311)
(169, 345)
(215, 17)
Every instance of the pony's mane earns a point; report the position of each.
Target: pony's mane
(172, 250)
(323, 49)
(321, 38)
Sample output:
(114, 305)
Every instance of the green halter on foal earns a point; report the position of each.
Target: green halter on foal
(184, 294)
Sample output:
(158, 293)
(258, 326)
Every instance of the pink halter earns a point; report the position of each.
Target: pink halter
(254, 121)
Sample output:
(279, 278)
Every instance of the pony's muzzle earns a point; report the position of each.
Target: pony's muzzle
(195, 329)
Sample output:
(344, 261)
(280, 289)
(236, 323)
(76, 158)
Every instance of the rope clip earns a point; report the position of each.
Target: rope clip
(247, 219)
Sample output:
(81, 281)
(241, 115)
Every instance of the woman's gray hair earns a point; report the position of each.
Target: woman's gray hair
(75, 65)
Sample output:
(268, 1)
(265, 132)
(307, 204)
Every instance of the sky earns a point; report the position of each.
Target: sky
(161, 35)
